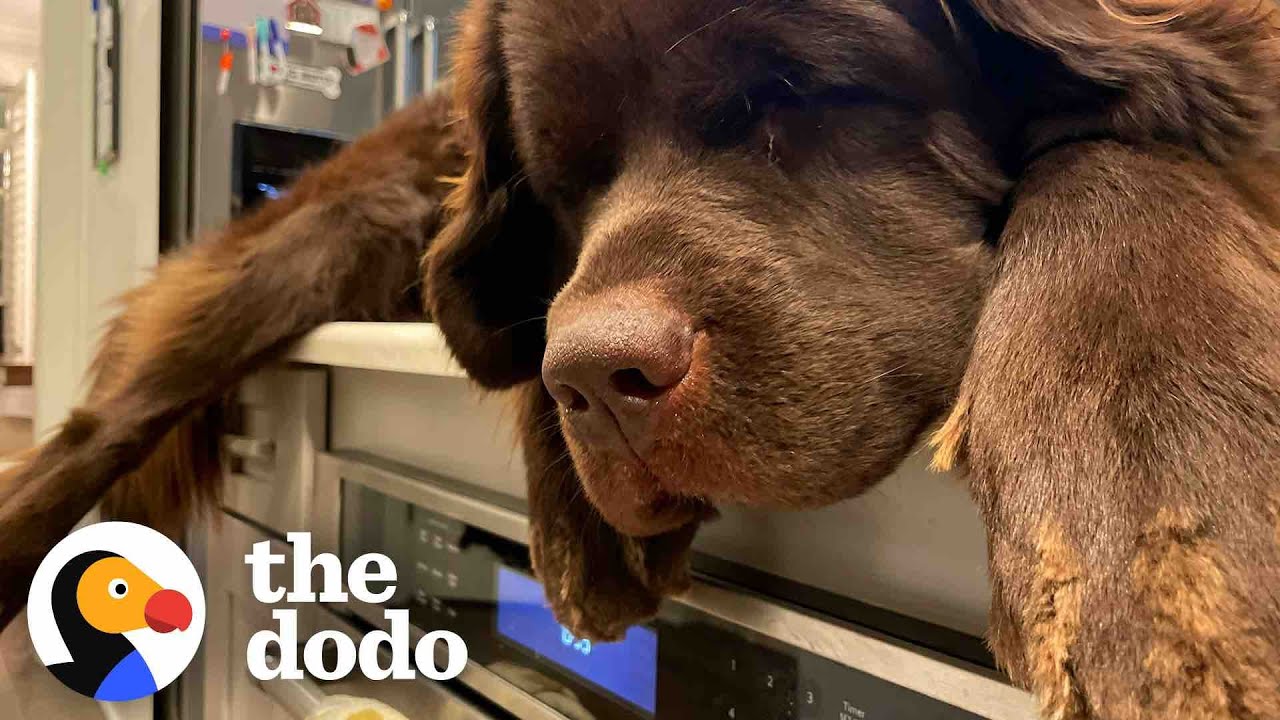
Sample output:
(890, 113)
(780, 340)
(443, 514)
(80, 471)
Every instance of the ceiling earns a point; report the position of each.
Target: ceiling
(19, 38)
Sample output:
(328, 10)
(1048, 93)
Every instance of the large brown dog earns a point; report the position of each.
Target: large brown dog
(783, 238)
(753, 251)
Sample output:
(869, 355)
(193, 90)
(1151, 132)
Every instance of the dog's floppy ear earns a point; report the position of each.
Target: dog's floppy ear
(598, 581)
(490, 276)
(491, 273)
(1198, 73)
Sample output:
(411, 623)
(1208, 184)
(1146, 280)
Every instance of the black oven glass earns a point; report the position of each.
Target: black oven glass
(685, 665)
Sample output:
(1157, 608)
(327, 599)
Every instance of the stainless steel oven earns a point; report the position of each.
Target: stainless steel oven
(755, 638)
(722, 651)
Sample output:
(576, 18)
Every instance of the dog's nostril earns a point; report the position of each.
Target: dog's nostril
(573, 400)
(632, 382)
(612, 366)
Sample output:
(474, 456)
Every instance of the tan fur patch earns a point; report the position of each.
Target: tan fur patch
(949, 440)
(1275, 515)
(1128, 12)
(1053, 626)
(1208, 659)
(633, 551)
(951, 18)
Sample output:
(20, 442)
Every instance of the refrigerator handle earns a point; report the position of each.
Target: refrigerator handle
(430, 54)
(401, 60)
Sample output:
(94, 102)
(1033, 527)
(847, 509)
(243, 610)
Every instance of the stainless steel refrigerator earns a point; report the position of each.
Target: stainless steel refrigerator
(200, 122)
(219, 145)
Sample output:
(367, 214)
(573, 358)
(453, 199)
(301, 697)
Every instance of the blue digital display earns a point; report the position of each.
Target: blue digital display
(270, 191)
(628, 669)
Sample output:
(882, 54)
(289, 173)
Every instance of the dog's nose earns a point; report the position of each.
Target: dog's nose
(611, 369)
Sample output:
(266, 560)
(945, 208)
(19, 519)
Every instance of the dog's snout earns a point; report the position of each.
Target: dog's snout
(612, 368)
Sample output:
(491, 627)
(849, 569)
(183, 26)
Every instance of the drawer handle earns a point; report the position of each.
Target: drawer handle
(299, 698)
(249, 448)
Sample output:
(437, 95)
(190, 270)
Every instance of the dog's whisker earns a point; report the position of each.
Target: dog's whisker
(565, 456)
(548, 428)
(704, 27)
(517, 324)
(885, 374)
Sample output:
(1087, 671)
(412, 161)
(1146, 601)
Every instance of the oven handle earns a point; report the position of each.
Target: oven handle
(249, 448)
(299, 698)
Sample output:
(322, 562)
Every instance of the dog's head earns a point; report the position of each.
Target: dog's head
(744, 244)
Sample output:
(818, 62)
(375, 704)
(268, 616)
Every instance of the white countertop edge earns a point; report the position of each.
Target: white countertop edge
(414, 348)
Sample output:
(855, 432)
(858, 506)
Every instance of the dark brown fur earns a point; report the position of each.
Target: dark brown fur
(343, 244)
(1053, 223)
(1172, 385)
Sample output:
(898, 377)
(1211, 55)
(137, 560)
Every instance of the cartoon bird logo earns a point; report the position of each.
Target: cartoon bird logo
(97, 597)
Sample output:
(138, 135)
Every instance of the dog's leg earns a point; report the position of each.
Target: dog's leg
(1120, 422)
(344, 244)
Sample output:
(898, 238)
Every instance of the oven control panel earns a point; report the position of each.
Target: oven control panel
(686, 664)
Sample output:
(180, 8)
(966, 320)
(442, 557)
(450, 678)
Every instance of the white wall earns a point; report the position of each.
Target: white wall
(98, 235)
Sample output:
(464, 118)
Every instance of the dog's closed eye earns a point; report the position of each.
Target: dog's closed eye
(734, 119)
(784, 100)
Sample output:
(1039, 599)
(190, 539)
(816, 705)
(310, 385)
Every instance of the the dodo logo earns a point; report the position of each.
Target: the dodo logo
(116, 611)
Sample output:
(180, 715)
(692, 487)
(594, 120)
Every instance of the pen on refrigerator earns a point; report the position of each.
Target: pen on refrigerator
(225, 62)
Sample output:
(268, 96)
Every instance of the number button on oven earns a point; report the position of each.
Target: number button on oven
(808, 702)
(744, 706)
(727, 707)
